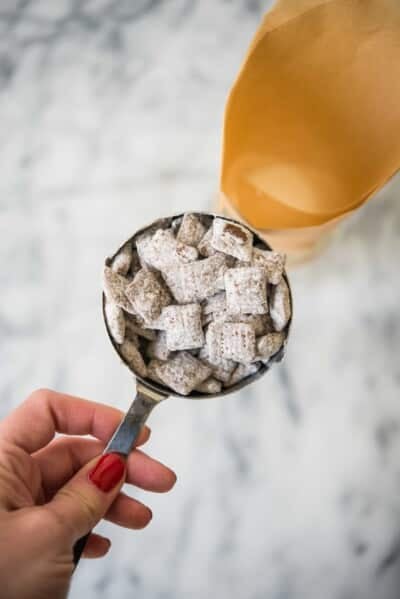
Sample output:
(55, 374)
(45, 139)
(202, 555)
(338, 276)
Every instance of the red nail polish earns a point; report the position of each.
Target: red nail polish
(108, 472)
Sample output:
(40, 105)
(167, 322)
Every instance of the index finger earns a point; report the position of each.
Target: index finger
(34, 423)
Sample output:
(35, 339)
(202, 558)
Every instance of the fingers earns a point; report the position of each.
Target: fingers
(96, 546)
(94, 492)
(149, 474)
(33, 424)
(64, 456)
(79, 505)
(129, 513)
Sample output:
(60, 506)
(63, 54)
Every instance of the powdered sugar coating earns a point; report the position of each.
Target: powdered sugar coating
(189, 307)
(246, 290)
(196, 281)
(205, 248)
(232, 238)
(241, 372)
(134, 358)
(280, 309)
(210, 385)
(148, 295)
(215, 308)
(215, 303)
(182, 373)
(191, 230)
(272, 262)
(152, 369)
(122, 261)
(259, 322)
(269, 344)
(114, 286)
(183, 327)
(116, 321)
(158, 348)
(135, 324)
(232, 341)
(162, 249)
(221, 367)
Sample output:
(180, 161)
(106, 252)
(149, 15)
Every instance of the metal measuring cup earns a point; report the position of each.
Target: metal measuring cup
(149, 393)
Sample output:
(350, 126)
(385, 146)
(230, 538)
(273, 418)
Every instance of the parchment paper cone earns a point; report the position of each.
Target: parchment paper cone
(312, 123)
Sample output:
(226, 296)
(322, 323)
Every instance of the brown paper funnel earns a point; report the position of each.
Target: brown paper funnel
(312, 123)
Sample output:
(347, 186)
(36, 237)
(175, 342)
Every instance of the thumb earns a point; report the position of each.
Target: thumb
(84, 500)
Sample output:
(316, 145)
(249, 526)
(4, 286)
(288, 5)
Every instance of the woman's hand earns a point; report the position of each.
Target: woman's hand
(55, 490)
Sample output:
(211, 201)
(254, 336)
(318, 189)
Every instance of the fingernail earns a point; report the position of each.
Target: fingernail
(108, 472)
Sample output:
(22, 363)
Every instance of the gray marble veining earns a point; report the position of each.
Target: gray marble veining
(111, 115)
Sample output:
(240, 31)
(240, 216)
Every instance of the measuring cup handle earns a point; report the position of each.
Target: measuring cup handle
(125, 436)
(79, 547)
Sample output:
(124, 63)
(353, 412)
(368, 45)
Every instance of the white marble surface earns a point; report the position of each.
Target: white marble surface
(110, 115)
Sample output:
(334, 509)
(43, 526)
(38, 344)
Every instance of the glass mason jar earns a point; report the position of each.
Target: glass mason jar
(300, 244)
